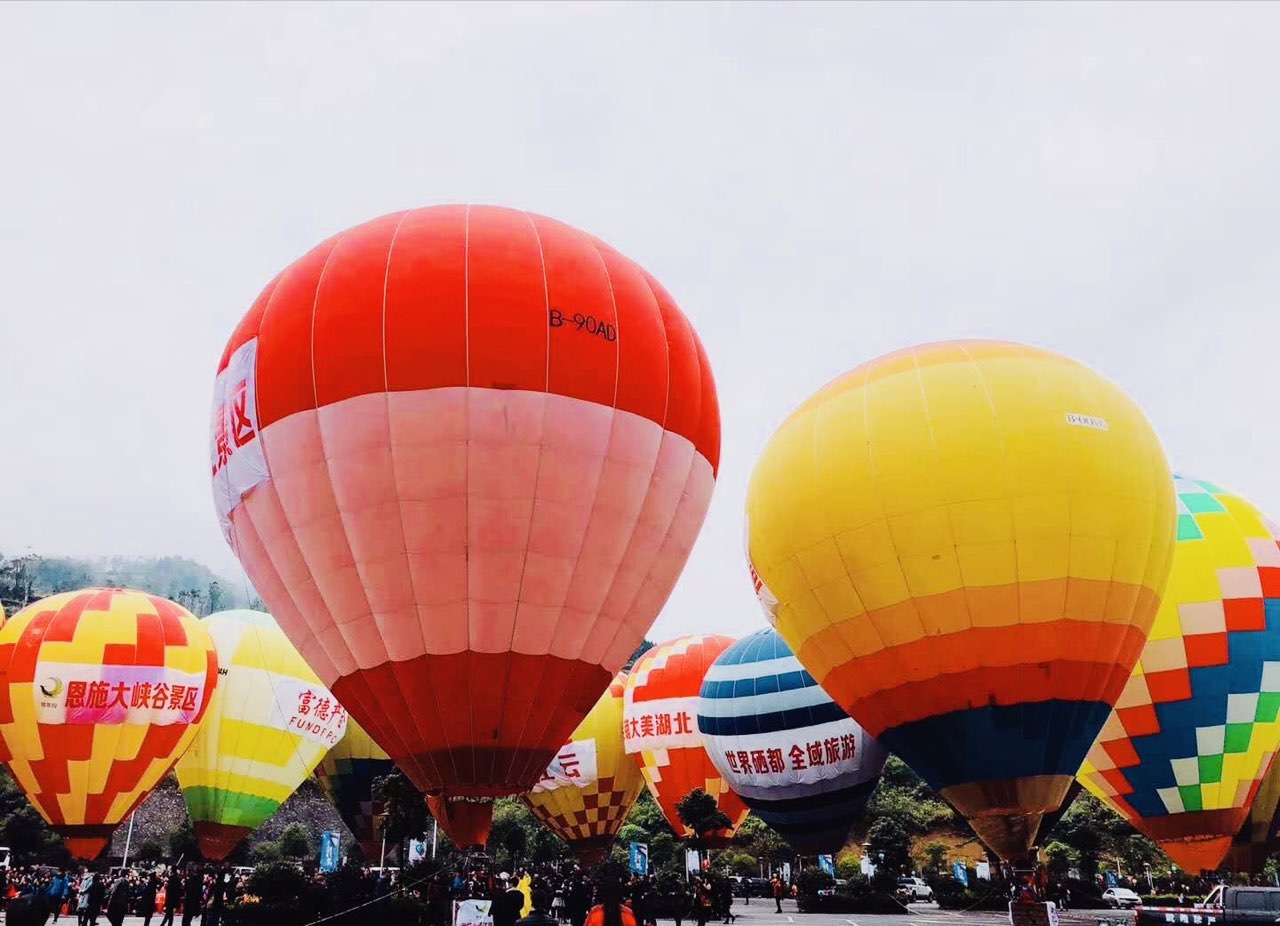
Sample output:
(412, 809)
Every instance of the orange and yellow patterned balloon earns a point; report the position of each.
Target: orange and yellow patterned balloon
(101, 691)
(587, 791)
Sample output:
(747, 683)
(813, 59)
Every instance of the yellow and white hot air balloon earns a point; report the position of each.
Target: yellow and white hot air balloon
(585, 794)
(270, 723)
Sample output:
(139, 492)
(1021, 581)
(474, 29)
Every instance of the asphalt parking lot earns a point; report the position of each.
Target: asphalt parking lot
(760, 912)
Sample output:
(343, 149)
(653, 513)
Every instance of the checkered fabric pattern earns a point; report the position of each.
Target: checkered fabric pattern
(92, 774)
(1196, 727)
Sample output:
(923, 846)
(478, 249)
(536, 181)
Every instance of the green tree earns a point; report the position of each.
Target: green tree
(647, 815)
(150, 851)
(699, 812)
(1061, 858)
(183, 843)
(405, 808)
(266, 852)
(934, 854)
(889, 843)
(295, 842)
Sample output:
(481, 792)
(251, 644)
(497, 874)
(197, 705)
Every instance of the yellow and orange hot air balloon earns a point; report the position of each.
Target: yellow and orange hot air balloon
(463, 452)
(585, 794)
(660, 729)
(101, 691)
(965, 544)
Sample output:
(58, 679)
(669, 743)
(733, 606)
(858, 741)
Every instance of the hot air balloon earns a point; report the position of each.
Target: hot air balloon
(588, 789)
(100, 691)
(1195, 729)
(347, 774)
(795, 758)
(268, 726)
(660, 728)
(463, 453)
(1253, 845)
(965, 544)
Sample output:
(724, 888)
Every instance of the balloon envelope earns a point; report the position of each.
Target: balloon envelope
(587, 791)
(100, 691)
(792, 754)
(1196, 728)
(347, 774)
(965, 543)
(463, 453)
(267, 727)
(660, 728)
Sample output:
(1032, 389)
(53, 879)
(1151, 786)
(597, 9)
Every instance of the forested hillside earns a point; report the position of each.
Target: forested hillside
(29, 577)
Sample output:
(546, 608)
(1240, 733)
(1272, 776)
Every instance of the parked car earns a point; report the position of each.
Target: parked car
(914, 889)
(1120, 898)
(1225, 906)
(754, 887)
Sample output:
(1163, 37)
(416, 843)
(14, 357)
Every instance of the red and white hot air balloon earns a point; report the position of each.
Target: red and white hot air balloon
(463, 453)
(660, 729)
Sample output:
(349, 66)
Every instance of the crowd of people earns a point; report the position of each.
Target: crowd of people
(89, 894)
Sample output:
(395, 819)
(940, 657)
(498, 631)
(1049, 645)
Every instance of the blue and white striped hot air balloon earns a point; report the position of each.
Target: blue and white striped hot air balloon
(794, 757)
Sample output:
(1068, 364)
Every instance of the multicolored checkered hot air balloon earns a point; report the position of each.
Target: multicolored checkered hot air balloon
(269, 724)
(588, 789)
(347, 774)
(792, 754)
(965, 544)
(1196, 728)
(660, 729)
(463, 453)
(100, 691)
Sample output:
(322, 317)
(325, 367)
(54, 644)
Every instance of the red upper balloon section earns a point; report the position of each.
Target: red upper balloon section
(478, 296)
(463, 453)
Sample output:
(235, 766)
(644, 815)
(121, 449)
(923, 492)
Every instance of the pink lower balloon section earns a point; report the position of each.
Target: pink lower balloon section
(480, 525)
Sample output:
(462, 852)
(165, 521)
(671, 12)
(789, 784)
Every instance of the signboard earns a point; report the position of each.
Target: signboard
(827, 864)
(472, 913)
(307, 709)
(574, 766)
(639, 859)
(94, 693)
(960, 871)
(417, 851)
(330, 851)
(1033, 914)
(235, 452)
(664, 723)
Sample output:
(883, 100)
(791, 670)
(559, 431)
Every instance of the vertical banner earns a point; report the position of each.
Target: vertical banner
(960, 871)
(786, 872)
(330, 851)
(827, 864)
(417, 851)
(866, 866)
(983, 871)
(1112, 880)
(692, 861)
(639, 859)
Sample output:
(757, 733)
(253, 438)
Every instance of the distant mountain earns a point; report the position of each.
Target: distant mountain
(198, 588)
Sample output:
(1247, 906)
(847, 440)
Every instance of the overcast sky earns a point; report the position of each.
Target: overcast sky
(815, 185)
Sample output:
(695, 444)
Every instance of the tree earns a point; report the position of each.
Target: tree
(935, 854)
(644, 647)
(183, 843)
(149, 851)
(699, 812)
(406, 809)
(295, 841)
(1062, 858)
(890, 845)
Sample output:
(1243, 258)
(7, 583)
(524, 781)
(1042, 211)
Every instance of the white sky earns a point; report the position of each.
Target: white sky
(815, 185)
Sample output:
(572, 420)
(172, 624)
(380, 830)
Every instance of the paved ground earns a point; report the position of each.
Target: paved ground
(760, 912)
